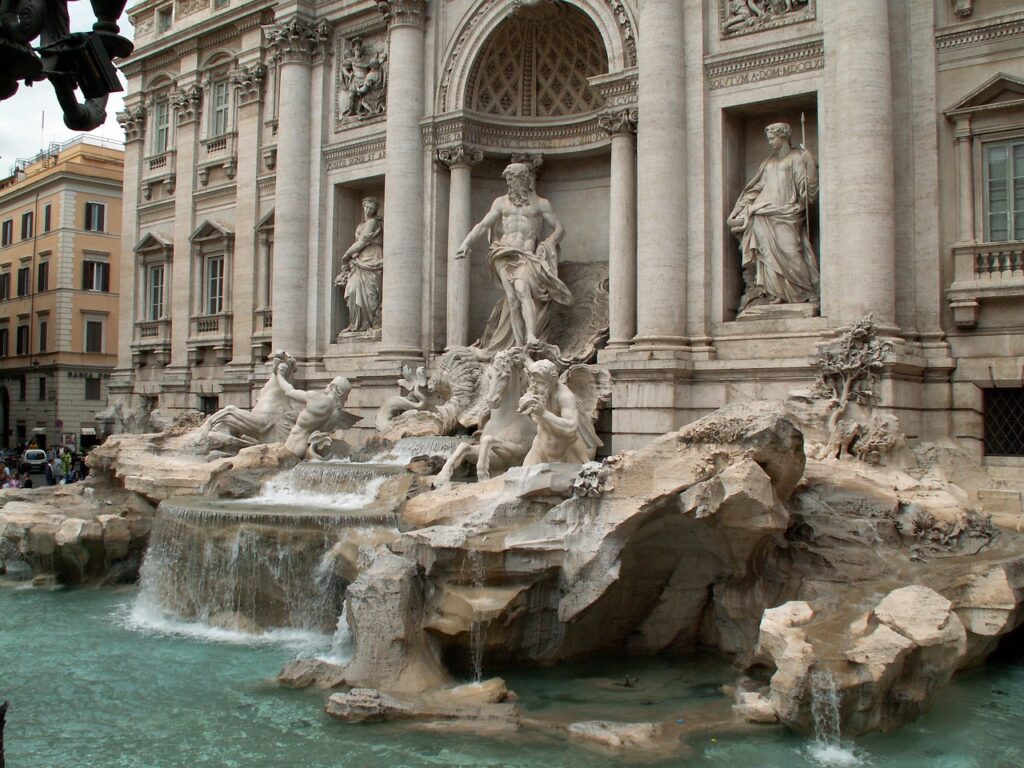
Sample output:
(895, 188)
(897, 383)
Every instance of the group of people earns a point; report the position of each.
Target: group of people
(64, 467)
(15, 479)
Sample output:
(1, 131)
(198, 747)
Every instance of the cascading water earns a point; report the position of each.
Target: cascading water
(478, 630)
(826, 702)
(265, 562)
(408, 448)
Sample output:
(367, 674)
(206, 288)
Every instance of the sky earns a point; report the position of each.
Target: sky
(25, 130)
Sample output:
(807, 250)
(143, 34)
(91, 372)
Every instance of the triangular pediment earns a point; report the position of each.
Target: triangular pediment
(267, 222)
(153, 242)
(1003, 89)
(211, 230)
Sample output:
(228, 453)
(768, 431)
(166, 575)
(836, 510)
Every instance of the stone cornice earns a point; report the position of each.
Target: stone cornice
(994, 30)
(459, 156)
(618, 89)
(402, 13)
(357, 153)
(727, 72)
(504, 137)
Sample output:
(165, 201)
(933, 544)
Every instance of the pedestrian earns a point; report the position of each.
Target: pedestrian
(65, 461)
(53, 472)
(26, 480)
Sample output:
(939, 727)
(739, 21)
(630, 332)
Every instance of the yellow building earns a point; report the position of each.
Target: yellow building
(60, 241)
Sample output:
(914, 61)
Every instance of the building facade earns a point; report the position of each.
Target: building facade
(255, 129)
(60, 251)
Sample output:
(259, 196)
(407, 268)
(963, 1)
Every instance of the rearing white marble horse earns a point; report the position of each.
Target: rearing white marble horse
(507, 434)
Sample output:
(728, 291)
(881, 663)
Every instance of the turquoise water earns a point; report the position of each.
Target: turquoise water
(89, 689)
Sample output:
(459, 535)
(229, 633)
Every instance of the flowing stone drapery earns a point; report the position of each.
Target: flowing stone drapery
(460, 159)
(403, 179)
(661, 175)
(622, 299)
(859, 269)
(295, 44)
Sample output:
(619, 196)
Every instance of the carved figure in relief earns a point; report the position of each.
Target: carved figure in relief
(749, 15)
(563, 408)
(525, 265)
(362, 271)
(363, 80)
(770, 220)
(321, 412)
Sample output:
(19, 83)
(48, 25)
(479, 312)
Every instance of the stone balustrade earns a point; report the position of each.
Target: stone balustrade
(984, 271)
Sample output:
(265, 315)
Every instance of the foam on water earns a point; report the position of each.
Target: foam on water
(834, 755)
(280, 491)
(408, 448)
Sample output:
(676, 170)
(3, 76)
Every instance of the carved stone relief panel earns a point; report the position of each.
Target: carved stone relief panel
(742, 17)
(360, 79)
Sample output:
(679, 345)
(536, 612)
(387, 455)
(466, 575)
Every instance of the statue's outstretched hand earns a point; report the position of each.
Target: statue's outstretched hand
(463, 252)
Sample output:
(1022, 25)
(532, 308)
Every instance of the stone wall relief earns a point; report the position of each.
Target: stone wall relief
(361, 76)
(742, 17)
(771, 221)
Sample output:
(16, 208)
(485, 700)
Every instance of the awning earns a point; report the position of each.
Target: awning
(88, 431)
(39, 430)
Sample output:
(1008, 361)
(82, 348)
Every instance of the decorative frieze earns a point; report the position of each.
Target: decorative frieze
(359, 153)
(404, 12)
(184, 8)
(185, 102)
(626, 27)
(963, 8)
(618, 89)
(297, 41)
(459, 155)
(743, 17)
(765, 65)
(988, 33)
(512, 137)
(248, 81)
(619, 121)
(133, 122)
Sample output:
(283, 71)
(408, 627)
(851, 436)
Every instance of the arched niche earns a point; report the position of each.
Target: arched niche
(611, 19)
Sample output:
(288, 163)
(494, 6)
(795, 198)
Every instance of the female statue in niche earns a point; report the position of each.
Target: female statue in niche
(362, 270)
(770, 220)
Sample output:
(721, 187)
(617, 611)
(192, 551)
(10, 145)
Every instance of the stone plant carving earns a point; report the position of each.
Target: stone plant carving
(117, 418)
(524, 264)
(508, 431)
(362, 80)
(269, 420)
(362, 271)
(745, 16)
(389, 421)
(847, 374)
(770, 220)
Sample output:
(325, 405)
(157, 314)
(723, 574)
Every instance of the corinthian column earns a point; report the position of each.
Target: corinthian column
(403, 179)
(622, 298)
(294, 44)
(859, 266)
(460, 159)
(661, 175)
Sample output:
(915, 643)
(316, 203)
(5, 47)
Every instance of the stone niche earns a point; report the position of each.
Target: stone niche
(348, 214)
(578, 188)
(744, 149)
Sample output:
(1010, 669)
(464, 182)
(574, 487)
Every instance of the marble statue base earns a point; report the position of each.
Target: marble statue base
(777, 312)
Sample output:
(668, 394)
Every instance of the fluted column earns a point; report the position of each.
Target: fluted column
(965, 179)
(294, 44)
(403, 179)
(460, 159)
(661, 175)
(622, 298)
(859, 263)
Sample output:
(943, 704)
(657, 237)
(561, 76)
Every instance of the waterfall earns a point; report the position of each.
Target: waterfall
(478, 630)
(408, 448)
(239, 575)
(827, 750)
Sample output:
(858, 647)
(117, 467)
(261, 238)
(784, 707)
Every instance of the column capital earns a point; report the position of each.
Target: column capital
(297, 41)
(459, 156)
(185, 102)
(248, 81)
(133, 122)
(404, 12)
(619, 122)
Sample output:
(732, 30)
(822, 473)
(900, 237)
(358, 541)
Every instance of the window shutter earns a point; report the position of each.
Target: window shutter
(105, 272)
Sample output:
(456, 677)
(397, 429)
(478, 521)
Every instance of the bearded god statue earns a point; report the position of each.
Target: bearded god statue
(522, 261)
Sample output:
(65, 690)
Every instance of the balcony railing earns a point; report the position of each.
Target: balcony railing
(210, 332)
(211, 325)
(984, 271)
(152, 337)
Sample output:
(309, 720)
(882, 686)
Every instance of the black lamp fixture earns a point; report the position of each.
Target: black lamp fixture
(79, 61)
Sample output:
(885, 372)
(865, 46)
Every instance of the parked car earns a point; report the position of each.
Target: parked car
(33, 460)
